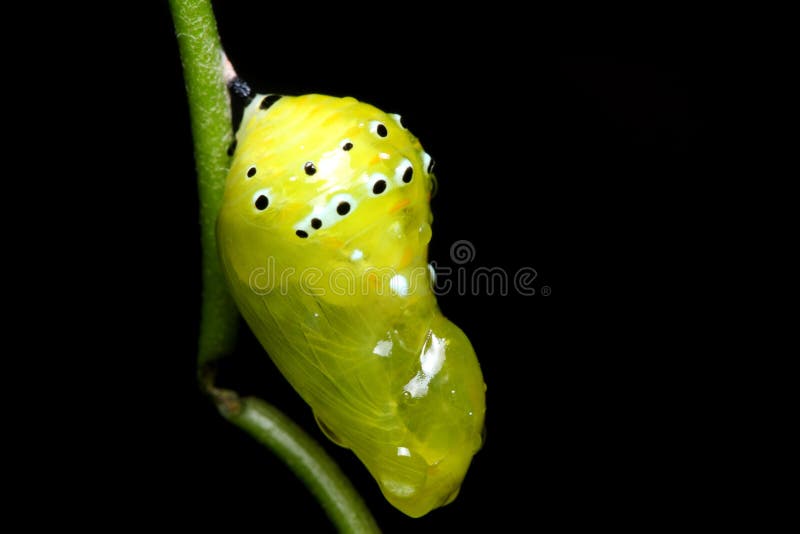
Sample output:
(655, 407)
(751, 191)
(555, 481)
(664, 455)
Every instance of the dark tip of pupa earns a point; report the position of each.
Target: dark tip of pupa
(240, 89)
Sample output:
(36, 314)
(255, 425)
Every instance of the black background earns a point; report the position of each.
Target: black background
(620, 401)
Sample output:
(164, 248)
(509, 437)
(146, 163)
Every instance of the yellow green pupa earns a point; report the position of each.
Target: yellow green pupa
(324, 235)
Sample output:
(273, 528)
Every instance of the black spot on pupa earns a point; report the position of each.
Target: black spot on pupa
(251, 172)
(316, 224)
(310, 168)
(381, 130)
(232, 148)
(268, 100)
(302, 233)
(347, 146)
(343, 208)
(262, 202)
(379, 187)
(408, 174)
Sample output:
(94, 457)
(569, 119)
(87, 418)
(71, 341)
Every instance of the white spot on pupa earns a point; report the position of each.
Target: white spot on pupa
(356, 255)
(292, 178)
(426, 161)
(316, 314)
(399, 489)
(400, 170)
(383, 348)
(398, 119)
(374, 125)
(396, 229)
(330, 161)
(399, 285)
(384, 155)
(403, 451)
(432, 272)
(418, 386)
(431, 361)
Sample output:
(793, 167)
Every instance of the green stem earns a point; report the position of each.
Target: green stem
(305, 458)
(209, 108)
(210, 111)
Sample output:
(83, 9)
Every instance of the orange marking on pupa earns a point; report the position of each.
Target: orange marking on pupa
(400, 205)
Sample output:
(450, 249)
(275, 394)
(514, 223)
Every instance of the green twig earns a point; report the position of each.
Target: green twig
(210, 112)
(209, 107)
(305, 458)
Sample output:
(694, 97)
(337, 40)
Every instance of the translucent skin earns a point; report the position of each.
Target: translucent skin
(346, 311)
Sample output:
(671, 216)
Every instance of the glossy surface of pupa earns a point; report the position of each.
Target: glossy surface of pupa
(323, 236)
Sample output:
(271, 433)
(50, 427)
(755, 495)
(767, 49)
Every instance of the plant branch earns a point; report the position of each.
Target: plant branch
(209, 108)
(304, 456)
(210, 112)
